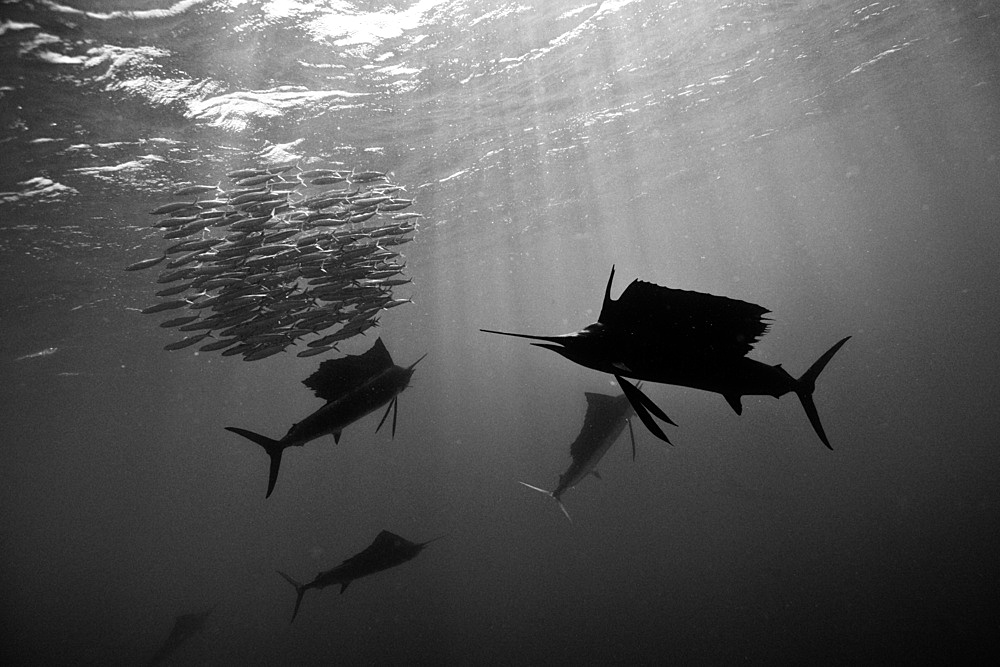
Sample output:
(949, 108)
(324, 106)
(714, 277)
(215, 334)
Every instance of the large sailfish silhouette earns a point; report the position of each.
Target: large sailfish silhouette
(684, 338)
(352, 387)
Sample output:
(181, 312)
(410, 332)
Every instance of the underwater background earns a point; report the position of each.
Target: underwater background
(835, 162)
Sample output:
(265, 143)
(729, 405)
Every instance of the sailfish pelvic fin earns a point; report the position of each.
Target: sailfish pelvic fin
(631, 435)
(643, 406)
(391, 405)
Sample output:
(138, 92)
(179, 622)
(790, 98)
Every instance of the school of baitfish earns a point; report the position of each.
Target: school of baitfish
(281, 257)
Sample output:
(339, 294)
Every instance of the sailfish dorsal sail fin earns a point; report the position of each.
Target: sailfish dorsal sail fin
(336, 377)
(384, 544)
(683, 321)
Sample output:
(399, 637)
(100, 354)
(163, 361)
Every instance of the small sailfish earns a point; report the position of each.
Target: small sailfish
(605, 420)
(185, 626)
(684, 338)
(352, 387)
(387, 551)
(37, 355)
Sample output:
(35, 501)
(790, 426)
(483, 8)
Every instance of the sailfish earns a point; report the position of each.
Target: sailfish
(352, 386)
(604, 422)
(684, 338)
(185, 626)
(386, 551)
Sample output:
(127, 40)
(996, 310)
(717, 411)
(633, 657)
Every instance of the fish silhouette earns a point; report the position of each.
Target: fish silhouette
(185, 626)
(387, 551)
(352, 387)
(684, 338)
(605, 420)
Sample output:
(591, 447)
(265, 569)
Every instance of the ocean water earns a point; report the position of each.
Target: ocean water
(835, 162)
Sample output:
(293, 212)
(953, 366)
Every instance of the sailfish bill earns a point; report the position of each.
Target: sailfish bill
(352, 387)
(683, 338)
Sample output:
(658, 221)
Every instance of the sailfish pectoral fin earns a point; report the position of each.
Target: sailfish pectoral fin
(643, 406)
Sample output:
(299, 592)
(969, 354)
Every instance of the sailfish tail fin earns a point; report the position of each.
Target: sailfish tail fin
(552, 495)
(807, 384)
(273, 449)
(300, 590)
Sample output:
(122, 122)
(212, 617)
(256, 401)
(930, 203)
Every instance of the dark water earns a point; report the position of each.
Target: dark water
(836, 162)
